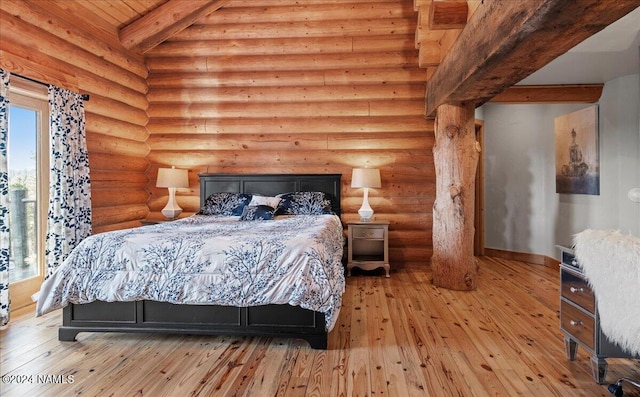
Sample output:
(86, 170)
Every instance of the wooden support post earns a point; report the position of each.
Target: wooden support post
(455, 155)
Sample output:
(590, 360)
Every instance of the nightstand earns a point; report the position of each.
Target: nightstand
(368, 246)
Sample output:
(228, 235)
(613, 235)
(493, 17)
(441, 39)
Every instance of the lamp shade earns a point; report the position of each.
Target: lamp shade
(366, 177)
(172, 177)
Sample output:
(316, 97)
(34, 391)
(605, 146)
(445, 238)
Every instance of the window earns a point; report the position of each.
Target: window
(28, 162)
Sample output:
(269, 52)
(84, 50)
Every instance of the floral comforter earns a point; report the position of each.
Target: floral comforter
(219, 260)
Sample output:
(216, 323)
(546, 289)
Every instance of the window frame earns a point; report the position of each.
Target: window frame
(34, 96)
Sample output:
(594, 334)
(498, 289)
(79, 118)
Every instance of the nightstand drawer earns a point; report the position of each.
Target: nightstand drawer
(368, 232)
(576, 289)
(578, 323)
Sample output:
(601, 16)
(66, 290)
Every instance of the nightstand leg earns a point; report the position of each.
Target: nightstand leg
(599, 369)
(570, 348)
(386, 268)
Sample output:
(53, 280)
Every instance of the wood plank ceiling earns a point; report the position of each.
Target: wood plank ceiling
(118, 13)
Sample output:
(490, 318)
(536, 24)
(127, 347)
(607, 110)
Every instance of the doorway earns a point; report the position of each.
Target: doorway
(478, 222)
(27, 164)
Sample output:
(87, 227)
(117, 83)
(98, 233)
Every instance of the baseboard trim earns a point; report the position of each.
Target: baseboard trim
(535, 259)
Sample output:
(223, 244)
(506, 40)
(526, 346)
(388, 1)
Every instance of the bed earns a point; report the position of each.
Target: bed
(252, 317)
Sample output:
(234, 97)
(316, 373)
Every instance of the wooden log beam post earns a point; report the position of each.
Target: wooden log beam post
(572, 93)
(455, 155)
(163, 22)
(448, 14)
(505, 41)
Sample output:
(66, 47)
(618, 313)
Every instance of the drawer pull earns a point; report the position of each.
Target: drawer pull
(576, 323)
(574, 289)
(574, 262)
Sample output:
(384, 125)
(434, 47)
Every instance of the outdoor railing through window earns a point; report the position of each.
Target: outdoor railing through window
(23, 232)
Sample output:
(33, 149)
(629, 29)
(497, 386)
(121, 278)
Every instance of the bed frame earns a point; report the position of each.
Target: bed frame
(161, 317)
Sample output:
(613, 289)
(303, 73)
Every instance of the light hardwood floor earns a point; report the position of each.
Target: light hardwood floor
(397, 336)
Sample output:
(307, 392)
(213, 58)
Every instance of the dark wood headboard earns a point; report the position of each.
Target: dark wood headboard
(272, 184)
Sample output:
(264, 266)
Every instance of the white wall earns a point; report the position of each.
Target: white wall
(523, 212)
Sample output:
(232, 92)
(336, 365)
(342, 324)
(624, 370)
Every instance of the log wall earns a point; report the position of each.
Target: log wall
(278, 87)
(257, 86)
(44, 41)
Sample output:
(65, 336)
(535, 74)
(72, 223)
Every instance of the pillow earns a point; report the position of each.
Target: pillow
(304, 203)
(229, 204)
(265, 200)
(257, 213)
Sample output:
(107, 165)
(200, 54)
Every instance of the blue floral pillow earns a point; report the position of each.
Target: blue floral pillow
(229, 204)
(304, 203)
(257, 213)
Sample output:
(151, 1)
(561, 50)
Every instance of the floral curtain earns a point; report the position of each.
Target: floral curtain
(4, 198)
(69, 219)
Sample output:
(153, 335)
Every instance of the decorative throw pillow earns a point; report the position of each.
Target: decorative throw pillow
(229, 204)
(304, 203)
(265, 200)
(257, 213)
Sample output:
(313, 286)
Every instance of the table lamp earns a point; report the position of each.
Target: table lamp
(172, 178)
(365, 178)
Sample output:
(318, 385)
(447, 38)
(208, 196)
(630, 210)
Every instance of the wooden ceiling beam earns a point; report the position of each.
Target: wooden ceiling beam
(423, 33)
(574, 93)
(417, 4)
(505, 41)
(168, 19)
(448, 14)
(429, 54)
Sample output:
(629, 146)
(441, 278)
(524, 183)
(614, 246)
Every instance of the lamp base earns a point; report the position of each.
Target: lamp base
(171, 214)
(172, 210)
(365, 215)
(365, 211)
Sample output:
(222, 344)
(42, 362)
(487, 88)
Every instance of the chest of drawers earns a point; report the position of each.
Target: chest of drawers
(579, 319)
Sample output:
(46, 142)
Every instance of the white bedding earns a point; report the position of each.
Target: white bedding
(292, 260)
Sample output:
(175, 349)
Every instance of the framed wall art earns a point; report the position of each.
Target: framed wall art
(577, 159)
